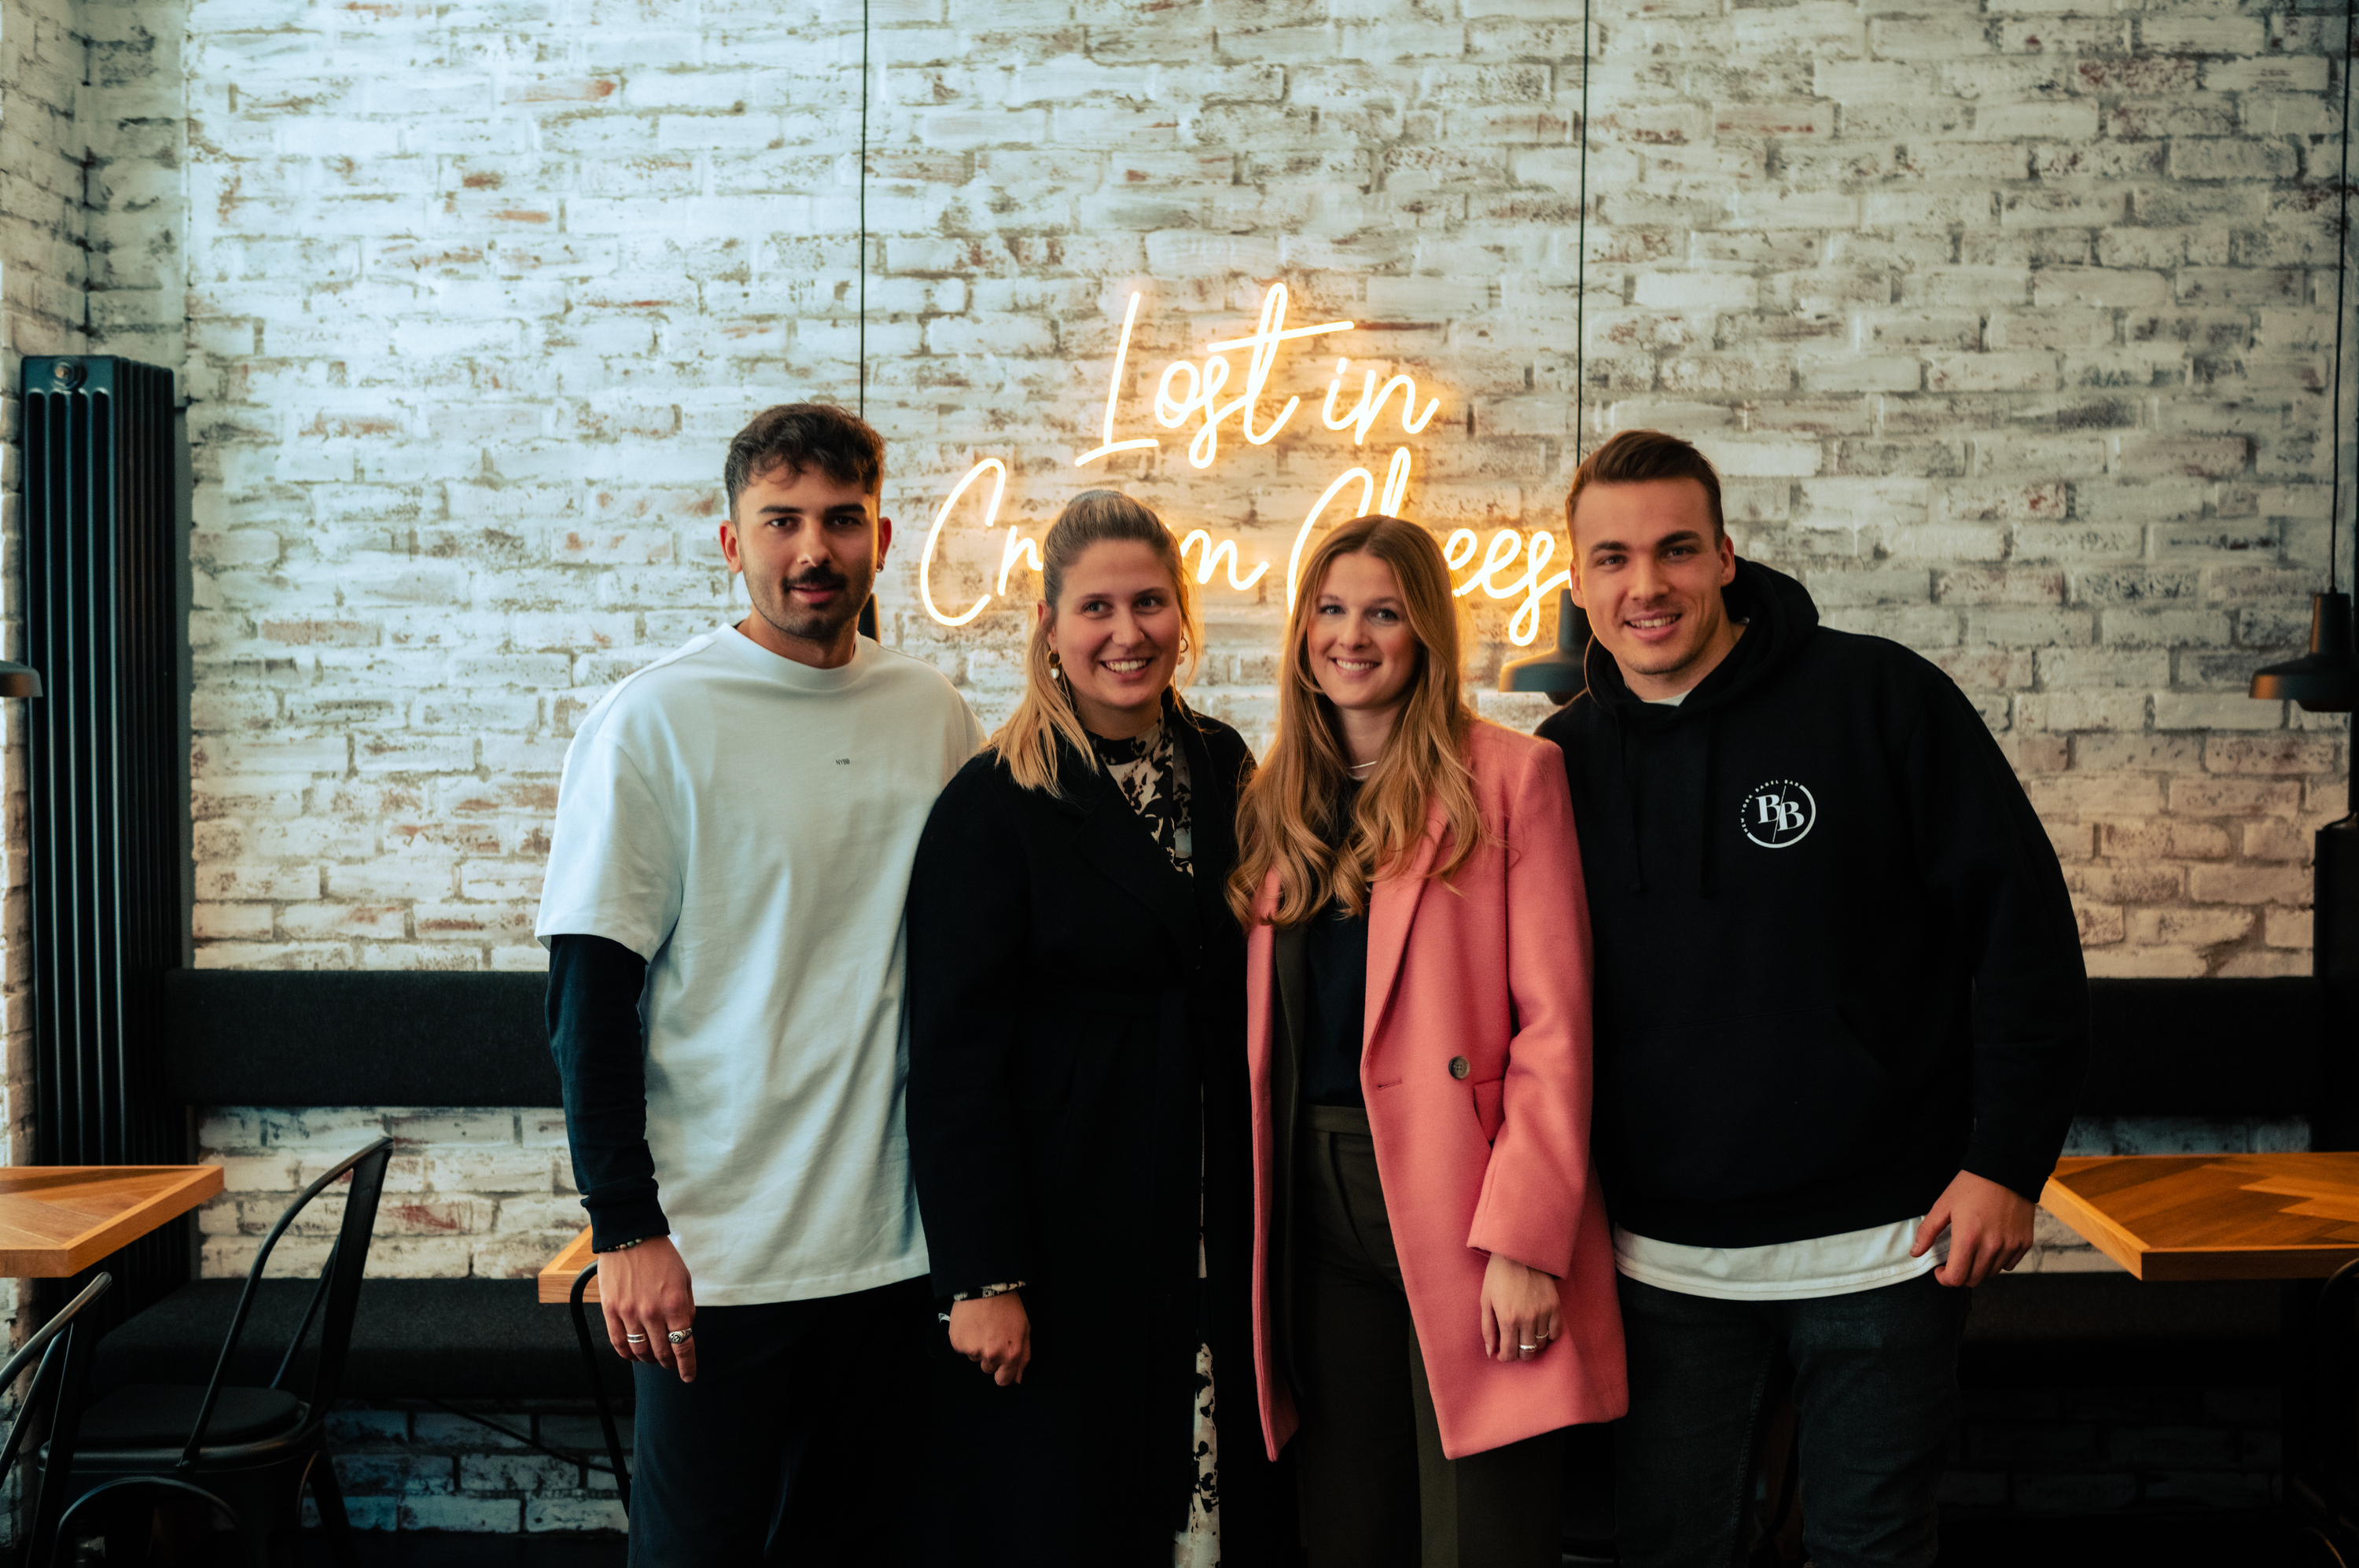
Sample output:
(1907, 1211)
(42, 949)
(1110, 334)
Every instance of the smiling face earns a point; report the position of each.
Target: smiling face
(1648, 567)
(1115, 632)
(809, 547)
(1362, 651)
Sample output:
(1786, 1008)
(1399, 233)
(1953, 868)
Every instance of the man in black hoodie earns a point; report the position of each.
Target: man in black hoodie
(1840, 1017)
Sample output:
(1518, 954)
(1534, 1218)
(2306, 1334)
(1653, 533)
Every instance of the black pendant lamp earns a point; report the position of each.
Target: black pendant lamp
(1557, 673)
(2326, 678)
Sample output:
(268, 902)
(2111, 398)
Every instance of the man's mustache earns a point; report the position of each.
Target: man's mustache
(817, 579)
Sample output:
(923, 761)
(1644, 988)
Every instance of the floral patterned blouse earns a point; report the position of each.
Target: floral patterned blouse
(1151, 771)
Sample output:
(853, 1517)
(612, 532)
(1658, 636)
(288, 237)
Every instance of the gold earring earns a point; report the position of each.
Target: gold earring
(1054, 662)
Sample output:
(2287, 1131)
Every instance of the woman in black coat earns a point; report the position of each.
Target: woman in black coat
(1077, 1104)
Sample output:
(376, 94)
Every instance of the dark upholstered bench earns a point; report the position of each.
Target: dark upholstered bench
(2112, 1331)
(348, 1037)
(2205, 1048)
(344, 1037)
(2198, 1048)
(451, 1339)
(2213, 1049)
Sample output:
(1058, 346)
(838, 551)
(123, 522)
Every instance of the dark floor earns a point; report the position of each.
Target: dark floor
(432, 1549)
(2148, 1541)
(2217, 1540)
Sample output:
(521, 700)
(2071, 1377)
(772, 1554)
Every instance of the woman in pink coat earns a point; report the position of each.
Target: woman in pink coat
(1434, 1277)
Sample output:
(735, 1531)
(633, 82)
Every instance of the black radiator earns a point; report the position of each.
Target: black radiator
(107, 780)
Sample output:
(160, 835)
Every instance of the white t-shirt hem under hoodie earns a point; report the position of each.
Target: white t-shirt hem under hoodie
(1840, 1265)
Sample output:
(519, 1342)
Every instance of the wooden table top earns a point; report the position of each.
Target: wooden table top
(2214, 1216)
(58, 1220)
(556, 1277)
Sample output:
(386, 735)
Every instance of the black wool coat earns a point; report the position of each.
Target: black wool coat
(1076, 1059)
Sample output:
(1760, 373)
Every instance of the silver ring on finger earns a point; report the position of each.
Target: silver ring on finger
(679, 1335)
(635, 1339)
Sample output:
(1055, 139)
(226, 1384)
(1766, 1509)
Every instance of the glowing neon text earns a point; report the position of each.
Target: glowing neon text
(1197, 390)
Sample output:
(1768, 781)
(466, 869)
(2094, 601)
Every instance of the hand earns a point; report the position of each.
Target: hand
(645, 1290)
(1519, 1308)
(996, 1333)
(1989, 1226)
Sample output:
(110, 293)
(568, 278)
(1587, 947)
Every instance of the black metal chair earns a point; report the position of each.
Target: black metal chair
(598, 1386)
(62, 1350)
(247, 1452)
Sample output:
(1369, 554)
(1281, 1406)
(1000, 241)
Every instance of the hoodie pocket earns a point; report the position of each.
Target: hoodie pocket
(1745, 1110)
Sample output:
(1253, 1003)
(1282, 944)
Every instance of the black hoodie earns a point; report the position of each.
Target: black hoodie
(1836, 963)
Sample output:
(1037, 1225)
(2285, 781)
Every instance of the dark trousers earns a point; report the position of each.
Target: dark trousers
(1377, 1492)
(1875, 1397)
(798, 1443)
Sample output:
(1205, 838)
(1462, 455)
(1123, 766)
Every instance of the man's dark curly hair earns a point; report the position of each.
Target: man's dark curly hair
(798, 436)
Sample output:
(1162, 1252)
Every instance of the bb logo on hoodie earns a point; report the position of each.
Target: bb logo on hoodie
(1778, 814)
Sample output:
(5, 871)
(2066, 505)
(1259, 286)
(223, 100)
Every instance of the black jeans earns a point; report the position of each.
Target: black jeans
(801, 1442)
(1875, 1397)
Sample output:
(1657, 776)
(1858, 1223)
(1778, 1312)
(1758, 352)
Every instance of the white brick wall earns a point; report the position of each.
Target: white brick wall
(482, 1192)
(2009, 325)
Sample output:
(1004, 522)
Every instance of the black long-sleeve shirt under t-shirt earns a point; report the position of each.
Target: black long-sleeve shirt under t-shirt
(600, 1043)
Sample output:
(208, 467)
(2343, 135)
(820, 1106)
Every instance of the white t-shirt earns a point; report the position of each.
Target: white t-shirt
(746, 824)
(1785, 1270)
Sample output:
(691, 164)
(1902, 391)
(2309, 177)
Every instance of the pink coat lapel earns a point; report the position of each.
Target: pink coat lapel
(1392, 908)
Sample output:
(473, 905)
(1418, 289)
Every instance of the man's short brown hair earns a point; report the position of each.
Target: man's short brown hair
(1633, 456)
(798, 436)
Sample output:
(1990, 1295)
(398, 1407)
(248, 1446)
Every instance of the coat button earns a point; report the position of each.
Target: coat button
(1459, 1067)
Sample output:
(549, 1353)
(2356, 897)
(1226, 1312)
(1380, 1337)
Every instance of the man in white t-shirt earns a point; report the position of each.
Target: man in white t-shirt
(1841, 1018)
(724, 914)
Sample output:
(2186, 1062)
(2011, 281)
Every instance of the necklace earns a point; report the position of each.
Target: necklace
(1363, 766)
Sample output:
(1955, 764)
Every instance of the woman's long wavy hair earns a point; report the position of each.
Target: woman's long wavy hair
(1283, 813)
(1047, 718)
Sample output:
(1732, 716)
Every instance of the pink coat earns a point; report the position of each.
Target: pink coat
(1498, 972)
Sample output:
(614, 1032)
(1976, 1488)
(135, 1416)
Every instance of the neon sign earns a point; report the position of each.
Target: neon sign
(1192, 391)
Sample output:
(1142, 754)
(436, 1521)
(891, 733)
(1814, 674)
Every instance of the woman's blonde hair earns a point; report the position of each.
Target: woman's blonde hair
(1029, 740)
(1285, 812)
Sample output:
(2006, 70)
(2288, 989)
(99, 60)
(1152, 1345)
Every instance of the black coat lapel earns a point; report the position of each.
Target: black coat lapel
(1213, 783)
(1110, 836)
